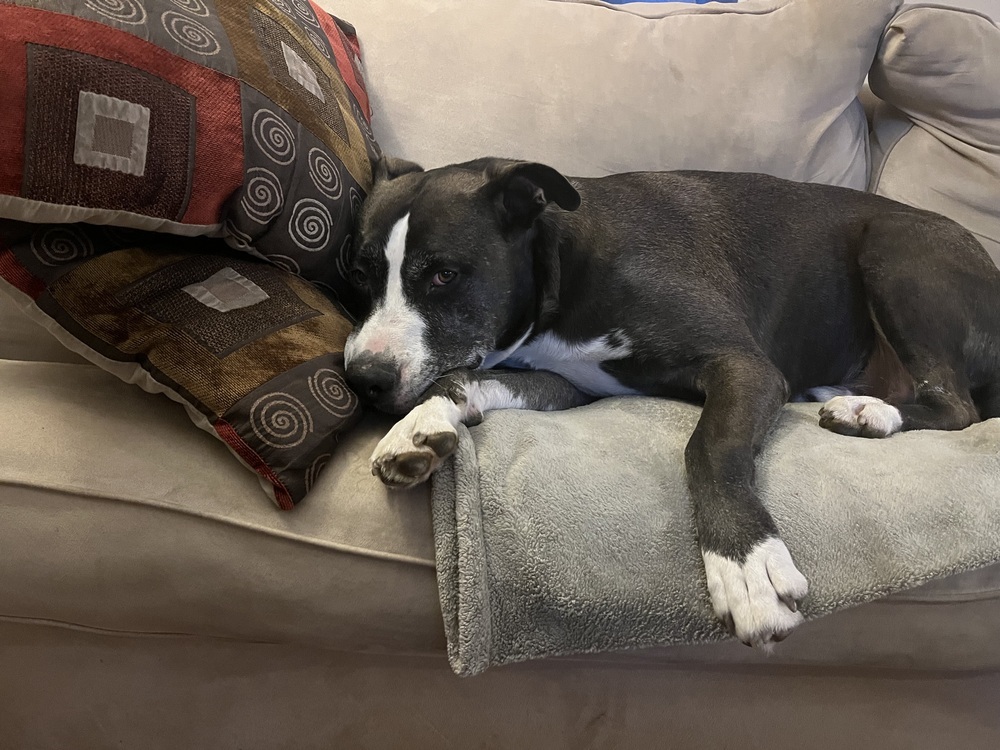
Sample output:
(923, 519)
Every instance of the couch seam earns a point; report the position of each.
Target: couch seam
(597, 660)
(671, 12)
(226, 521)
(947, 8)
(48, 622)
(876, 179)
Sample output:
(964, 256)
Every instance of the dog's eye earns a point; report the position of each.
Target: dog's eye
(444, 277)
(359, 278)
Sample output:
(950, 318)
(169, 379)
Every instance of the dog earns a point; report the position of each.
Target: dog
(498, 284)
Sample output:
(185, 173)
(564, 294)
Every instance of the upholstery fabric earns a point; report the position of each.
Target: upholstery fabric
(254, 352)
(110, 524)
(936, 132)
(247, 120)
(150, 598)
(151, 533)
(759, 86)
(21, 338)
(97, 690)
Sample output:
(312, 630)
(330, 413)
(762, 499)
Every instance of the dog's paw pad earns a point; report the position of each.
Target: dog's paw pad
(863, 416)
(405, 469)
(757, 599)
(416, 445)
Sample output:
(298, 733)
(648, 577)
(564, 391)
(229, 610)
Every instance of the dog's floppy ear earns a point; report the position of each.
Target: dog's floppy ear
(389, 168)
(524, 189)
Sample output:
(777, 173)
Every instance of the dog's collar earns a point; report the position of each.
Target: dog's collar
(493, 359)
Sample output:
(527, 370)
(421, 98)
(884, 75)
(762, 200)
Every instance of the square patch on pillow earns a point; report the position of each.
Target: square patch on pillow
(253, 352)
(244, 119)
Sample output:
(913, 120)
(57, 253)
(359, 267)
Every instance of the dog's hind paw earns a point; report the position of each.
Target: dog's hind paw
(864, 416)
(416, 445)
(758, 598)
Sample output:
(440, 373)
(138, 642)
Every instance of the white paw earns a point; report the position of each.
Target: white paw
(860, 415)
(757, 599)
(415, 446)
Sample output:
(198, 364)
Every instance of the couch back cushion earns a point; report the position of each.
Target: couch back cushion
(936, 130)
(761, 85)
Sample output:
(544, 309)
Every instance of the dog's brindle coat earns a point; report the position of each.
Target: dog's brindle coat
(736, 290)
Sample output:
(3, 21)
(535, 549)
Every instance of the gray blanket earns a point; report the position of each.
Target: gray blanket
(571, 532)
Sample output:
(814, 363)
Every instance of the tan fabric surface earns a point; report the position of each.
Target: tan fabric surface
(120, 515)
(763, 85)
(936, 140)
(88, 692)
(22, 338)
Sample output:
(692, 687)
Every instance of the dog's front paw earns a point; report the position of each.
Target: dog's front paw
(863, 416)
(758, 598)
(417, 444)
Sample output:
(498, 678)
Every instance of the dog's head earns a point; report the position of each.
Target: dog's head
(456, 263)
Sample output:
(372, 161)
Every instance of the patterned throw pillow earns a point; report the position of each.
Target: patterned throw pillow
(254, 353)
(246, 119)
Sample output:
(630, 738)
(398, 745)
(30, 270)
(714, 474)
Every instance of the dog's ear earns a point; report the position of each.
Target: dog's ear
(522, 190)
(389, 168)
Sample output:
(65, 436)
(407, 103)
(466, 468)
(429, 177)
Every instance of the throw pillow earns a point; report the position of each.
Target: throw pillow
(246, 119)
(252, 351)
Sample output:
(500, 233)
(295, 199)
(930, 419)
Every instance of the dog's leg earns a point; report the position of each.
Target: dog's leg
(417, 444)
(947, 340)
(753, 583)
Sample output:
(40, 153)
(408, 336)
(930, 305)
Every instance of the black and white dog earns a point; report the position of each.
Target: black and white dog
(736, 290)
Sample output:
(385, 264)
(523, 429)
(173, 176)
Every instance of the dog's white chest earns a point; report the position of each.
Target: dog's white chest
(578, 362)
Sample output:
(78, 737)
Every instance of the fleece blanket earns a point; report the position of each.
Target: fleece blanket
(571, 532)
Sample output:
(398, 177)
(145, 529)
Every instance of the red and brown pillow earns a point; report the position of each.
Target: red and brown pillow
(245, 119)
(254, 352)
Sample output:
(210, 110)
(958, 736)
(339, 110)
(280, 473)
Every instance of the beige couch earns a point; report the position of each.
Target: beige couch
(150, 597)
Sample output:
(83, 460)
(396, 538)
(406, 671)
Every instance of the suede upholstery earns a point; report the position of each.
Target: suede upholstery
(151, 597)
(938, 146)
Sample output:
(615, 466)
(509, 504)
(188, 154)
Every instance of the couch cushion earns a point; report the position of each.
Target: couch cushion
(760, 85)
(23, 338)
(113, 526)
(248, 120)
(936, 132)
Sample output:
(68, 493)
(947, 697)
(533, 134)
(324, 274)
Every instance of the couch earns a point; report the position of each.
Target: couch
(150, 597)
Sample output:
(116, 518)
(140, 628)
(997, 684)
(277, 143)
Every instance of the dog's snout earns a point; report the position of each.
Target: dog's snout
(372, 378)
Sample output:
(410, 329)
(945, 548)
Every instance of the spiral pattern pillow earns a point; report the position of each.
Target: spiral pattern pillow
(246, 119)
(255, 353)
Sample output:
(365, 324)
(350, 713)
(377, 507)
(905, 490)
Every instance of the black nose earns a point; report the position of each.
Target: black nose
(372, 377)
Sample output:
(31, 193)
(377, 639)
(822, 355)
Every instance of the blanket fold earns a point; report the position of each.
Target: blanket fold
(571, 532)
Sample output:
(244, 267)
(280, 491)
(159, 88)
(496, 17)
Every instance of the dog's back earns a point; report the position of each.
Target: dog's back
(716, 250)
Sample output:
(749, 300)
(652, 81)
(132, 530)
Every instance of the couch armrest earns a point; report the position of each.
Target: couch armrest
(936, 131)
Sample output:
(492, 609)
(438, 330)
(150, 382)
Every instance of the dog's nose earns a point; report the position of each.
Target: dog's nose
(372, 377)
